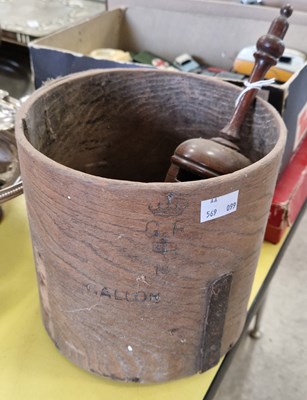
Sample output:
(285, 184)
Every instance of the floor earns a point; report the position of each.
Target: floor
(274, 367)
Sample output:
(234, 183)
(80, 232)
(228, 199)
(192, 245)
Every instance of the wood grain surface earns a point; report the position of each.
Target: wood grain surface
(133, 287)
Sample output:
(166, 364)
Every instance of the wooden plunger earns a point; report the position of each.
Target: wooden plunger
(202, 158)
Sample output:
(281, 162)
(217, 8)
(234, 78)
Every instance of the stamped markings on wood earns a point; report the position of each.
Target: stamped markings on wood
(217, 207)
(160, 230)
(172, 206)
(161, 234)
(139, 296)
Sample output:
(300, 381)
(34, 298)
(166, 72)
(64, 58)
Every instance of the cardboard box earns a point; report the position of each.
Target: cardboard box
(290, 195)
(23, 21)
(297, 4)
(212, 32)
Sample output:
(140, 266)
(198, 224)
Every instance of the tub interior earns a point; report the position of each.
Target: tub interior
(126, 124)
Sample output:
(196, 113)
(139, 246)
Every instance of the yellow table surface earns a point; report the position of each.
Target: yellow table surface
(30, 365)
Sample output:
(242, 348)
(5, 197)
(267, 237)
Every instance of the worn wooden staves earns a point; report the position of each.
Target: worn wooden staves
(142, 280)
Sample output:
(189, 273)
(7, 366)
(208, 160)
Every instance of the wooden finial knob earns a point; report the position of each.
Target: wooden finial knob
(280, 24)
(286, 10)
(270, 46)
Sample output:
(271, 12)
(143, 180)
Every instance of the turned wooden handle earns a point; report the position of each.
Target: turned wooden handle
(201, 158)
(270, 47)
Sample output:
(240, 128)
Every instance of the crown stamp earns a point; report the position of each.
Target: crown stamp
(172, 206)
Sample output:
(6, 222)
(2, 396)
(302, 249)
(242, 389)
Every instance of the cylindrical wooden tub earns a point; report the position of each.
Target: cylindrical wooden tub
(137, 282)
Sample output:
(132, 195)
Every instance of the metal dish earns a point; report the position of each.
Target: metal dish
(10, 180)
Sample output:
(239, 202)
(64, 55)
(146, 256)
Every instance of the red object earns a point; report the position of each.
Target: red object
(215, 70)
(289, 196)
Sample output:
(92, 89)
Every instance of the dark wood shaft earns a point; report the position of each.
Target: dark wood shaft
(269, 49)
